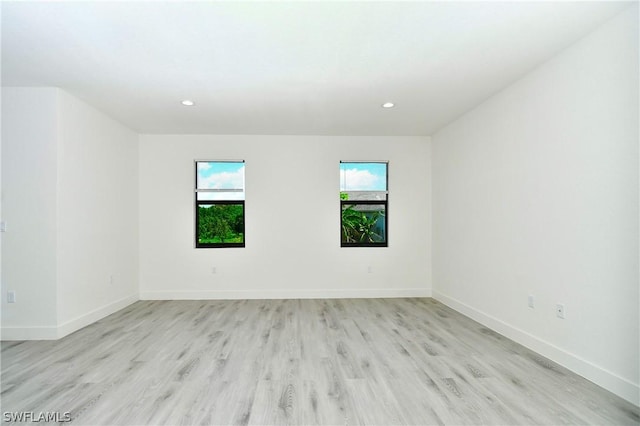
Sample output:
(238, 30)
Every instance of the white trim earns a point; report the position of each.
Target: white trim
(95, 315)
(285, 294)
(53, 333)
(598, 375)
(29, 333)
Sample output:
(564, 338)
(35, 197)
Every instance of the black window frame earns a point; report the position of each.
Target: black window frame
(199, 203)
(385, 203)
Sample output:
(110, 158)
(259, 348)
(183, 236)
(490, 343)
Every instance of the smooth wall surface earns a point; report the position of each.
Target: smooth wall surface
(536, 193)
(292, 219)
(97, 214)
(70, 187)
(29, 175)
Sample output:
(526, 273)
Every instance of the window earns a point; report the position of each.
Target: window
(363, 204)
(219, 204)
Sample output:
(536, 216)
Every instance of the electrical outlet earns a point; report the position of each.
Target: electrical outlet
(531, 301)
(11, 297)
(3, 226)
(560, 310)
(214, 270)
(370, 269)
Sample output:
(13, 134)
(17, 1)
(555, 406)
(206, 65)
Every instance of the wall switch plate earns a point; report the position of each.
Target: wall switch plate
(560, 310)
(214, 270)
(531, 301)
(370, 269)
(11, 297)
(3, 226)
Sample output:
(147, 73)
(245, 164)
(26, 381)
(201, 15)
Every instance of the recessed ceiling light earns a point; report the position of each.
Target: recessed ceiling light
(187, 102)
(388, 105)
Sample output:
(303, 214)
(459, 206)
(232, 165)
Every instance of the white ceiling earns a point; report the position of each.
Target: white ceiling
(319, 68)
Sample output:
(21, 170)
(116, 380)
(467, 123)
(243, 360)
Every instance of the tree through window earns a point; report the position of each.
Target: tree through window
(363, 204)
(219, 204)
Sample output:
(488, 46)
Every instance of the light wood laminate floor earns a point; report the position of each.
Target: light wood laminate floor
(341, 361)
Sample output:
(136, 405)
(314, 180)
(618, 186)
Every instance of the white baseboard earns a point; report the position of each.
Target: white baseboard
(95, 315)
(53, 333)
(285, 294)
(29, 333)
(598, 375)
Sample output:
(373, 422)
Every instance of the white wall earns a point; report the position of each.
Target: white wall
(70, 202)
(97, 214)
(29, 175)
(292, 219)
(536, 192)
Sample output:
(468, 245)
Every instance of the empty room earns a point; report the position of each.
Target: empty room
(320, 213)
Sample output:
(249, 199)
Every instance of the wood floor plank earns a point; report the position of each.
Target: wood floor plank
(311, 362)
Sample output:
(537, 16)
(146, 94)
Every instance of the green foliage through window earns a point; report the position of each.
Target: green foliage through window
(220, 223)
(363, 204)
(363, 223)
(220, 204)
